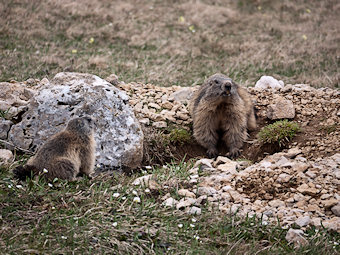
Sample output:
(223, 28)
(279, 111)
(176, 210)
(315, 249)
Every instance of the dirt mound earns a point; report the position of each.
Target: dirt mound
(164, 111)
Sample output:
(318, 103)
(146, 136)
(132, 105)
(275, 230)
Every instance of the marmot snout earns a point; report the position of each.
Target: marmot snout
(222, 105)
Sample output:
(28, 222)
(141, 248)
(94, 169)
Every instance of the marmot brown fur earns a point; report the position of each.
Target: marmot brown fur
(65, 155)
(221, 107)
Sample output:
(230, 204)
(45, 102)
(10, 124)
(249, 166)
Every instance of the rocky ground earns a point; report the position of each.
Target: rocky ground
(298, 186)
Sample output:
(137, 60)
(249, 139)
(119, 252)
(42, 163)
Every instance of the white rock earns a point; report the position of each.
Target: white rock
(209, 191)
(276, 203)
(153, 105)
(5, 156)
(229, 167)
(185, 202)
(159, 124)
(303, 221)
(143, 180)
(283, 178)
(204, 163)
(145, 121)
(195, 210)
(295, 236)
(269, 82)
(186, 193)
(170, 202)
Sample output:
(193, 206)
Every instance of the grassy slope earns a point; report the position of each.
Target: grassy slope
(85, 217)
(172, 42)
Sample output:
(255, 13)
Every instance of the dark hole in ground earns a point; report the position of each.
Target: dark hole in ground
(155, 152)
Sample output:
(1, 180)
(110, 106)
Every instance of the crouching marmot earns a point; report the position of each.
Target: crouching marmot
(64, 155)
(220, 106)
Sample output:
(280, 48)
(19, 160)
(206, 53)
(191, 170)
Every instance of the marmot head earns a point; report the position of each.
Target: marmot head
(81, 125)
(220, 86)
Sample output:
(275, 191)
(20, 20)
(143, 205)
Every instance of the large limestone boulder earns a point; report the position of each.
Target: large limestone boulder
(118, 133)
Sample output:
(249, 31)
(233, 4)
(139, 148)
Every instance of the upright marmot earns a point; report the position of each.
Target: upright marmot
(221, 107)
(64, 155)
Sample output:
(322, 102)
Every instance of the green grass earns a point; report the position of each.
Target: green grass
(280, 132)
(85, 217)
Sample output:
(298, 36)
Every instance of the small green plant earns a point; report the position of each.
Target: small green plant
(279, 132)
(4, 113)
(179, 136)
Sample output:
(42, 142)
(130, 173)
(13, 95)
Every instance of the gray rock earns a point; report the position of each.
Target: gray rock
(336, 210)
(118, 134)
(185, 202)
(303, 221)
(5, 156)
(295, 236)
(5, 125)
(209, 191)
(282, 109)
(195, 210)
(170, 202)
(183, 95)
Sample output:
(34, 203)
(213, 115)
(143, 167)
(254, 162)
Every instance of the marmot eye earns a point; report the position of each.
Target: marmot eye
(216, 81)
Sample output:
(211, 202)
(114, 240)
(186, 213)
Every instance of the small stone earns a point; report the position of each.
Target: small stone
(221, 160)
(185, 202)
(305, 189)
(209, 191)
(295, 236)
(336, 210)
(316, 222)
(167, 105)
(143, 180)
(313, 208)
(283, 178)
(113, 79)
(282, 109)
(293, 152)
(204, 163)
(237, 197)
(5, 156)
(170, 202)
(159, 124)
(228, 167)
(276, 203)
(5, 126)
(201, 200)
(165, 197)
(195, 210)
(303, 221)
(155, 106)
(235, 208)
(329, 202)
(186, 193)
(145, 121)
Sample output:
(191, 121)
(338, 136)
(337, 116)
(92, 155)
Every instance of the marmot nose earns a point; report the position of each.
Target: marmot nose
(227, 87)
